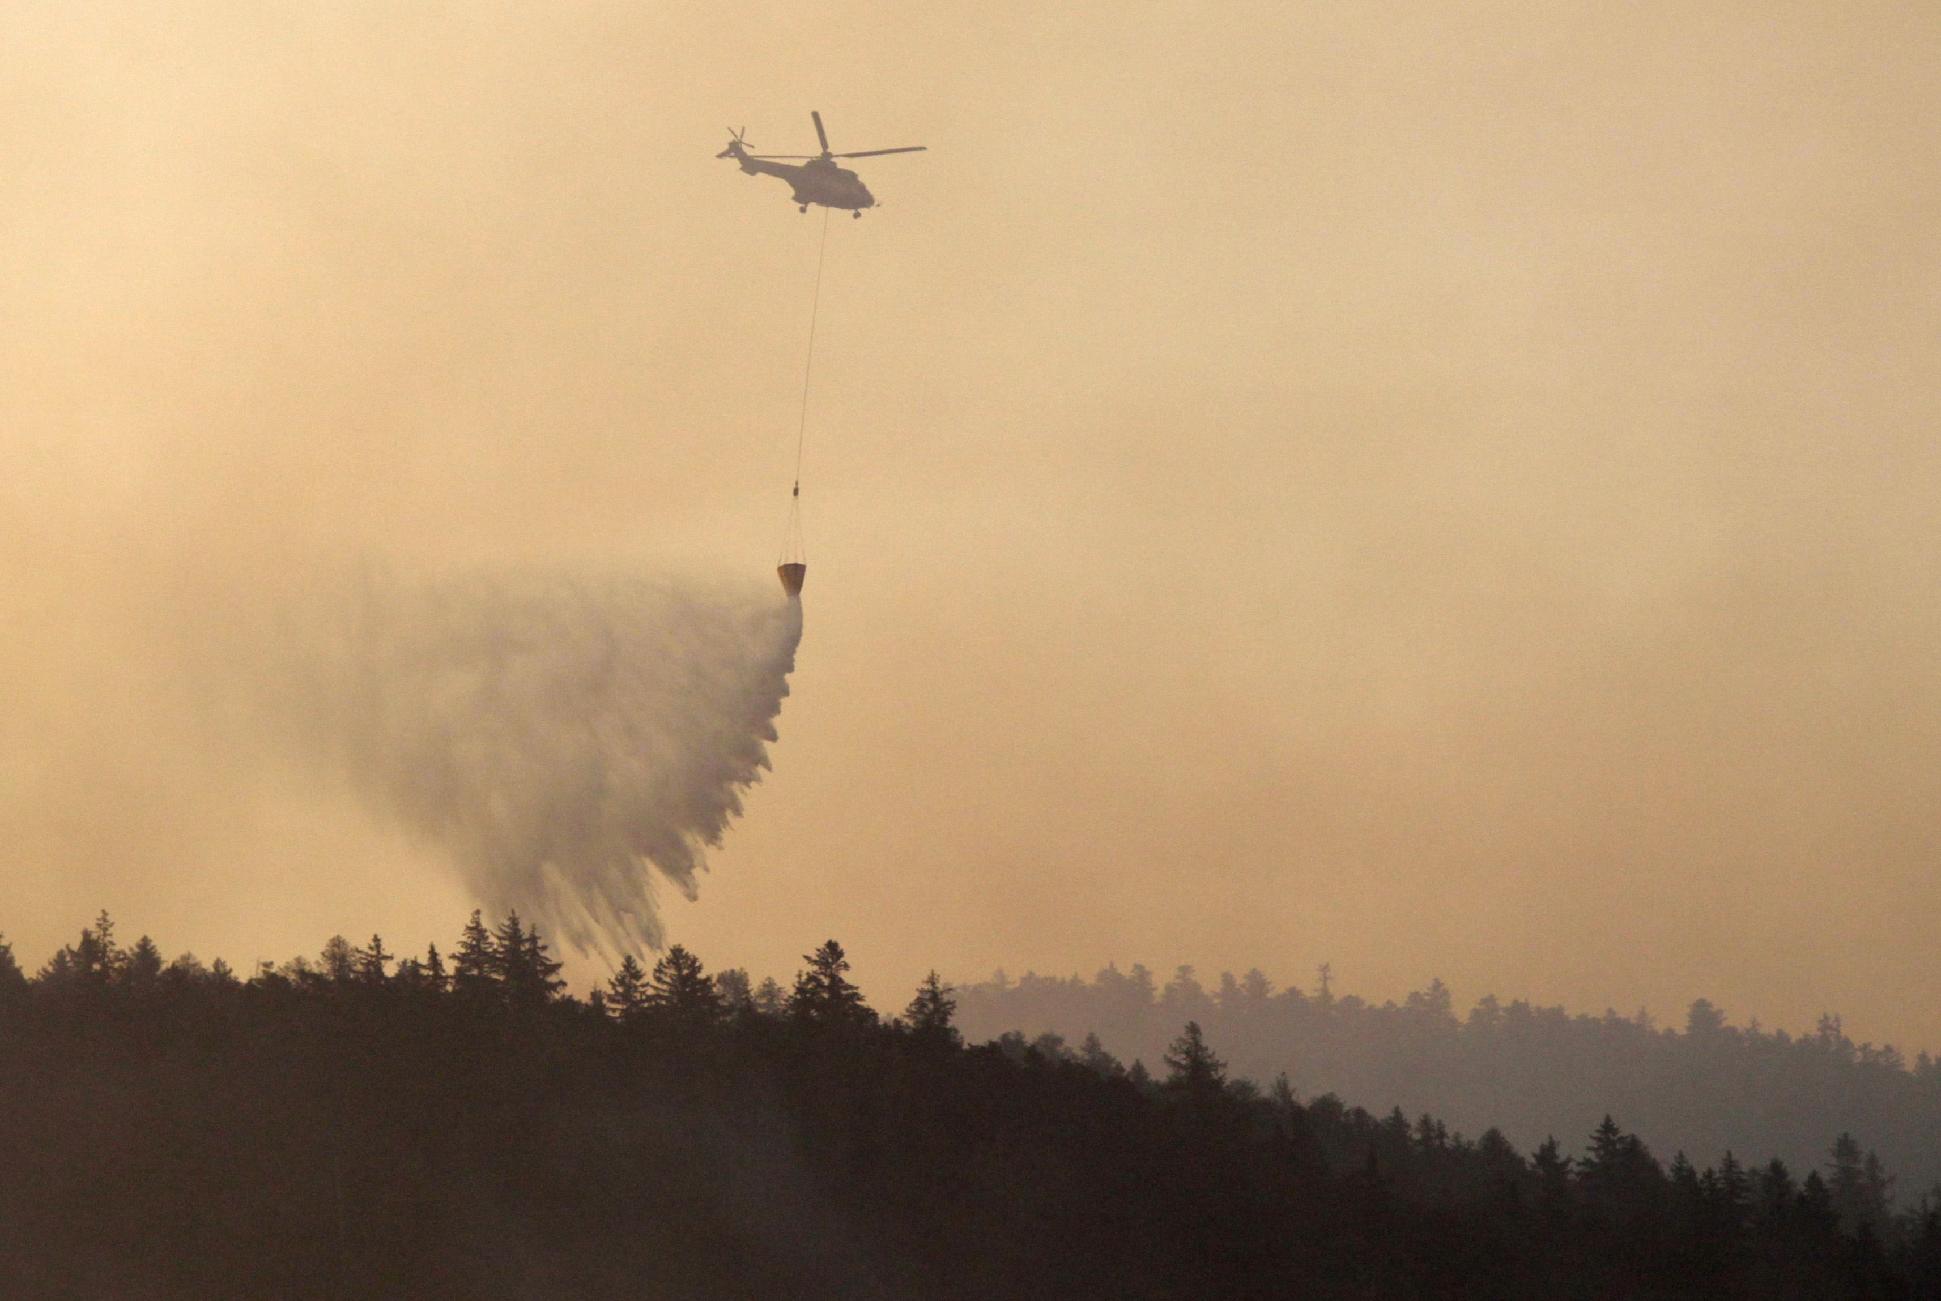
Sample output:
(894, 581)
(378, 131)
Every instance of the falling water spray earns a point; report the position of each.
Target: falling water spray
(570, 743)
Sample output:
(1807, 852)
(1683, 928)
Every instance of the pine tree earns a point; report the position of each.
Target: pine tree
(1845, 1183)
(1734, 1200)
(736, 996)
(626, 992)
(545, 967)
(186, 969)
(1011, 1043)
(509, 953)
(435, 978)
(1228, 995)
(1687, 1194)
(475, 962)
(930, 1012)
(1775, 1197)
(538, 981)
(769, 998)
(1287, 1107)
(1603, 1163)
(823, 994)
(1435, 1004)
(681, 991)
(1876, 1191)
(1193, 1072)
(1816, 1213)
(1500, 1156)
(1703, 1019)
(1183, 993)
(410, 974)
(103, 958)
(1606, 1146)
(13, 981)
(1050, 1047)
(339, 960)
(93, 959)
(59, 969)
(1708, 1199)
(1554, 1181)
(1092, 1055)
(141, 966)
(371, 961)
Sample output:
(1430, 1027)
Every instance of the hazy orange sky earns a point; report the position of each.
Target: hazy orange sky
(1440, 489)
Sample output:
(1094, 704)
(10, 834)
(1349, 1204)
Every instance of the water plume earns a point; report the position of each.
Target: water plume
(568, 741)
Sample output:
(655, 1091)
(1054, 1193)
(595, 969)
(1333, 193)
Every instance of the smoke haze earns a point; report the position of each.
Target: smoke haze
(1444, 490)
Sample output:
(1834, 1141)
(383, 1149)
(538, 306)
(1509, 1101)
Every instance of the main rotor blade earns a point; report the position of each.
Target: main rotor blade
(802, 157)
(820, 134)
(871, 153)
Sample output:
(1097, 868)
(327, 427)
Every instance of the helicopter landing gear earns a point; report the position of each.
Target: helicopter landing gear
(856, 216)
(803, 208)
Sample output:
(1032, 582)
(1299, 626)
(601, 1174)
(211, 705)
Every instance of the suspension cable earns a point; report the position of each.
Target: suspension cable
(808, 363)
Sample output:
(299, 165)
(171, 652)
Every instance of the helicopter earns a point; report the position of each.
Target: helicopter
(817, 180)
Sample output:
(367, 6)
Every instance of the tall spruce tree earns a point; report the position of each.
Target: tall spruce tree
(1193, 1071)
(626, 992)
(527, 971)
(142, 966)
(509, 951)
(823, 994)
(681, 991)
(475, 962)
(371, 961)
(542, 968)
(435, 977)
(930, 1012)
(1555, 1185)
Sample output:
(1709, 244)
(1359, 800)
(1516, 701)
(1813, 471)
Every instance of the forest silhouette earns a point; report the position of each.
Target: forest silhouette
(1705, 1088)
(364, 1124)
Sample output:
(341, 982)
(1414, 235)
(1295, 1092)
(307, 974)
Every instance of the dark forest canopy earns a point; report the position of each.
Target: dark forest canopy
(1706, 1087)
(364, 1124)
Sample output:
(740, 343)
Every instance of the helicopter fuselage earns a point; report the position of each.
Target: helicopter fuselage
(817, 181)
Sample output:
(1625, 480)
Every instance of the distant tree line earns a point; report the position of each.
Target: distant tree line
(365, 1124)
(1706, 1087)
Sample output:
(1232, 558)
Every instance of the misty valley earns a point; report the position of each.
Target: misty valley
(457, 1124)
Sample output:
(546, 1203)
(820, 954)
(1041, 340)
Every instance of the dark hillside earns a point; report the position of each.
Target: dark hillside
(359, 1127)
